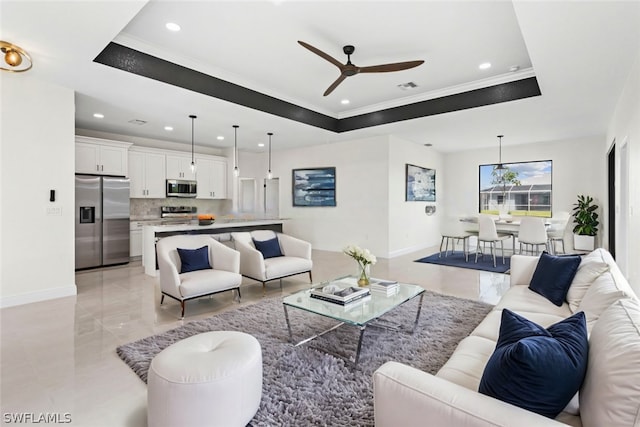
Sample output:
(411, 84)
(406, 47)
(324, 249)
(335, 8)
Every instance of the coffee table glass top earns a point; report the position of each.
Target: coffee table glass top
(356, 313)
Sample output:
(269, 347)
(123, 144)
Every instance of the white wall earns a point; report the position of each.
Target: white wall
(38, 154)
(578, 168)
(361, 216)
(410, 229)
(624, 128)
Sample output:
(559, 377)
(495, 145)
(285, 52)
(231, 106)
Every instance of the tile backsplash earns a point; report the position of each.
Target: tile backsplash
(150, 208)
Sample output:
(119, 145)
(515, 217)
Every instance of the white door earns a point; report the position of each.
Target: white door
(247, 195)
(272, 197)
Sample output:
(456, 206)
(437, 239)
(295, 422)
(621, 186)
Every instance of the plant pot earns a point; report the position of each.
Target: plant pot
(584, 243)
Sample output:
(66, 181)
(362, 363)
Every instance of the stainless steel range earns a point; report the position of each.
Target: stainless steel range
(178, 214)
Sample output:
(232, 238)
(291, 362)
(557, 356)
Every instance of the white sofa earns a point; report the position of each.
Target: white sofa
(609, 396)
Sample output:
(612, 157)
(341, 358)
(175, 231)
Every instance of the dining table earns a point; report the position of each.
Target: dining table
(508, 225)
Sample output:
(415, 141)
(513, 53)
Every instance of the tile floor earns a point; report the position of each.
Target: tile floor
(59, 356)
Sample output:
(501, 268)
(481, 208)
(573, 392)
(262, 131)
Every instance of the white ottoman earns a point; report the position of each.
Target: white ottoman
(210, 379)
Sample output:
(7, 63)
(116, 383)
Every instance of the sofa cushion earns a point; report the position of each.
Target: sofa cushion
(194, 259)
(489, 328)
(269, 248)
(285, 265)
(466, 364)
(523, 299)
(553, 276)
(535, 368)
(204, 282)
(588, 271)
(603, 292)
(610, 395)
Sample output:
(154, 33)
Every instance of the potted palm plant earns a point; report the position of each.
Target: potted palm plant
(585, 218)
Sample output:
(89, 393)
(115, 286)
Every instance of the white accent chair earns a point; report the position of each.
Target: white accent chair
(487, 233)
(556, 231)
(224, 274)
(296, 257)
(532, 233)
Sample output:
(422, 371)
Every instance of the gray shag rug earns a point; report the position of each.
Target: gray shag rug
(306, 386)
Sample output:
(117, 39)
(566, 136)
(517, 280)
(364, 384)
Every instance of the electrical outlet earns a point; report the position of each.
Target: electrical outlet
(54, 211)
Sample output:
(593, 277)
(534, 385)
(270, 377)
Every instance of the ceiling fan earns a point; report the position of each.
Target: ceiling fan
(349, 69)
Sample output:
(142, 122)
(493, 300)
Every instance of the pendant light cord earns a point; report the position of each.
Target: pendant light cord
(270, 134)
(193, 163)
(236, 170)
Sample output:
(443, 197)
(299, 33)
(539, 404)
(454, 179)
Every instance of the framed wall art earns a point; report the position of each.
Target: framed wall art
(314, 187)
(420, 184)
(521, 188)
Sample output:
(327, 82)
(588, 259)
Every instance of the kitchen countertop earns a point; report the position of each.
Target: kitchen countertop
(223, 223)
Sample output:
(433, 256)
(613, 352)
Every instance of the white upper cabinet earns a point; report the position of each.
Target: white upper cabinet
(101, 156)
(211, 175)
(179, 167)
(147, 174)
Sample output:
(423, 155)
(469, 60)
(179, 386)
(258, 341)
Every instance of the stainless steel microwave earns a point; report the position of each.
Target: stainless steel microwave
(181, 188)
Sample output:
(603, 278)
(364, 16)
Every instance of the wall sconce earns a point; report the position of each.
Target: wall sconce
(15, 59)
(430, 209)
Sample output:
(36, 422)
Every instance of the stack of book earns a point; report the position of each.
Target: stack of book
(339, 295)
(384, 288)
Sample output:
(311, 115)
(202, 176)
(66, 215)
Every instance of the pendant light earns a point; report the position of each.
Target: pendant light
(500, 166)
(236, 171)
(193, 162)
(269, 175)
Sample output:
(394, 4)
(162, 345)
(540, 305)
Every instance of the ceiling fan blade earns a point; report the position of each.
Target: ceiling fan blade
(322, 54)
(385, 68)
(335, 84)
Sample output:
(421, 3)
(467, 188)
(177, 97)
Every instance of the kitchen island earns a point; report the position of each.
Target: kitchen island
(219, 230)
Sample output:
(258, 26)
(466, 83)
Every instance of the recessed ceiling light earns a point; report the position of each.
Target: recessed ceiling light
(172, 26)
(514, 68)
(485, 65)
(98, 115)
(261, 144)
(168, 128)
(344, 102)
(220, 137)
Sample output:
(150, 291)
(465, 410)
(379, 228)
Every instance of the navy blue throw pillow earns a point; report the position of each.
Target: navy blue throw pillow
(194, 259)
(535, 368)
(553, 276)
(268, 248)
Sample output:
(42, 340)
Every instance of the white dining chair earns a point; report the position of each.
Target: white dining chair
(453, 231)
(556, 231)
(532, 234)
(487, 233)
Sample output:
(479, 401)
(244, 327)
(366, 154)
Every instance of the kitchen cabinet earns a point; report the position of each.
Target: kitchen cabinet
(101, 157)
(179, 167)
(135, 239)
(211, 174)
(147, 174)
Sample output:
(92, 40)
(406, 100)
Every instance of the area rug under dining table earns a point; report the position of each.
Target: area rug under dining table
(457, 259)
(305, 385)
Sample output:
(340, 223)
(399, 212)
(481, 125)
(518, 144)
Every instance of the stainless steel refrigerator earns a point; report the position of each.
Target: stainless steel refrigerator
(102, 221)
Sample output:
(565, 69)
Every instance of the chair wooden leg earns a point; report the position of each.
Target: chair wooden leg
(310, 277)
(161, 299)
(239, 296)
(182, 314)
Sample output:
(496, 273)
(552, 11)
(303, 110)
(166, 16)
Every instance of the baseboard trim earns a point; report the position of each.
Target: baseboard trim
(405, 251)
(37, 296)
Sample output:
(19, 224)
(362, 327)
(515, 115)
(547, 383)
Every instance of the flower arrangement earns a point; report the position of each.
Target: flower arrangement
(364, 258)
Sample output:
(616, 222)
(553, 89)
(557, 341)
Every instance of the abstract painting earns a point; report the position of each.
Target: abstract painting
(420, 184)
(314, 187)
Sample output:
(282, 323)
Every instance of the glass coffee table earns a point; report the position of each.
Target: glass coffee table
(359, 314)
